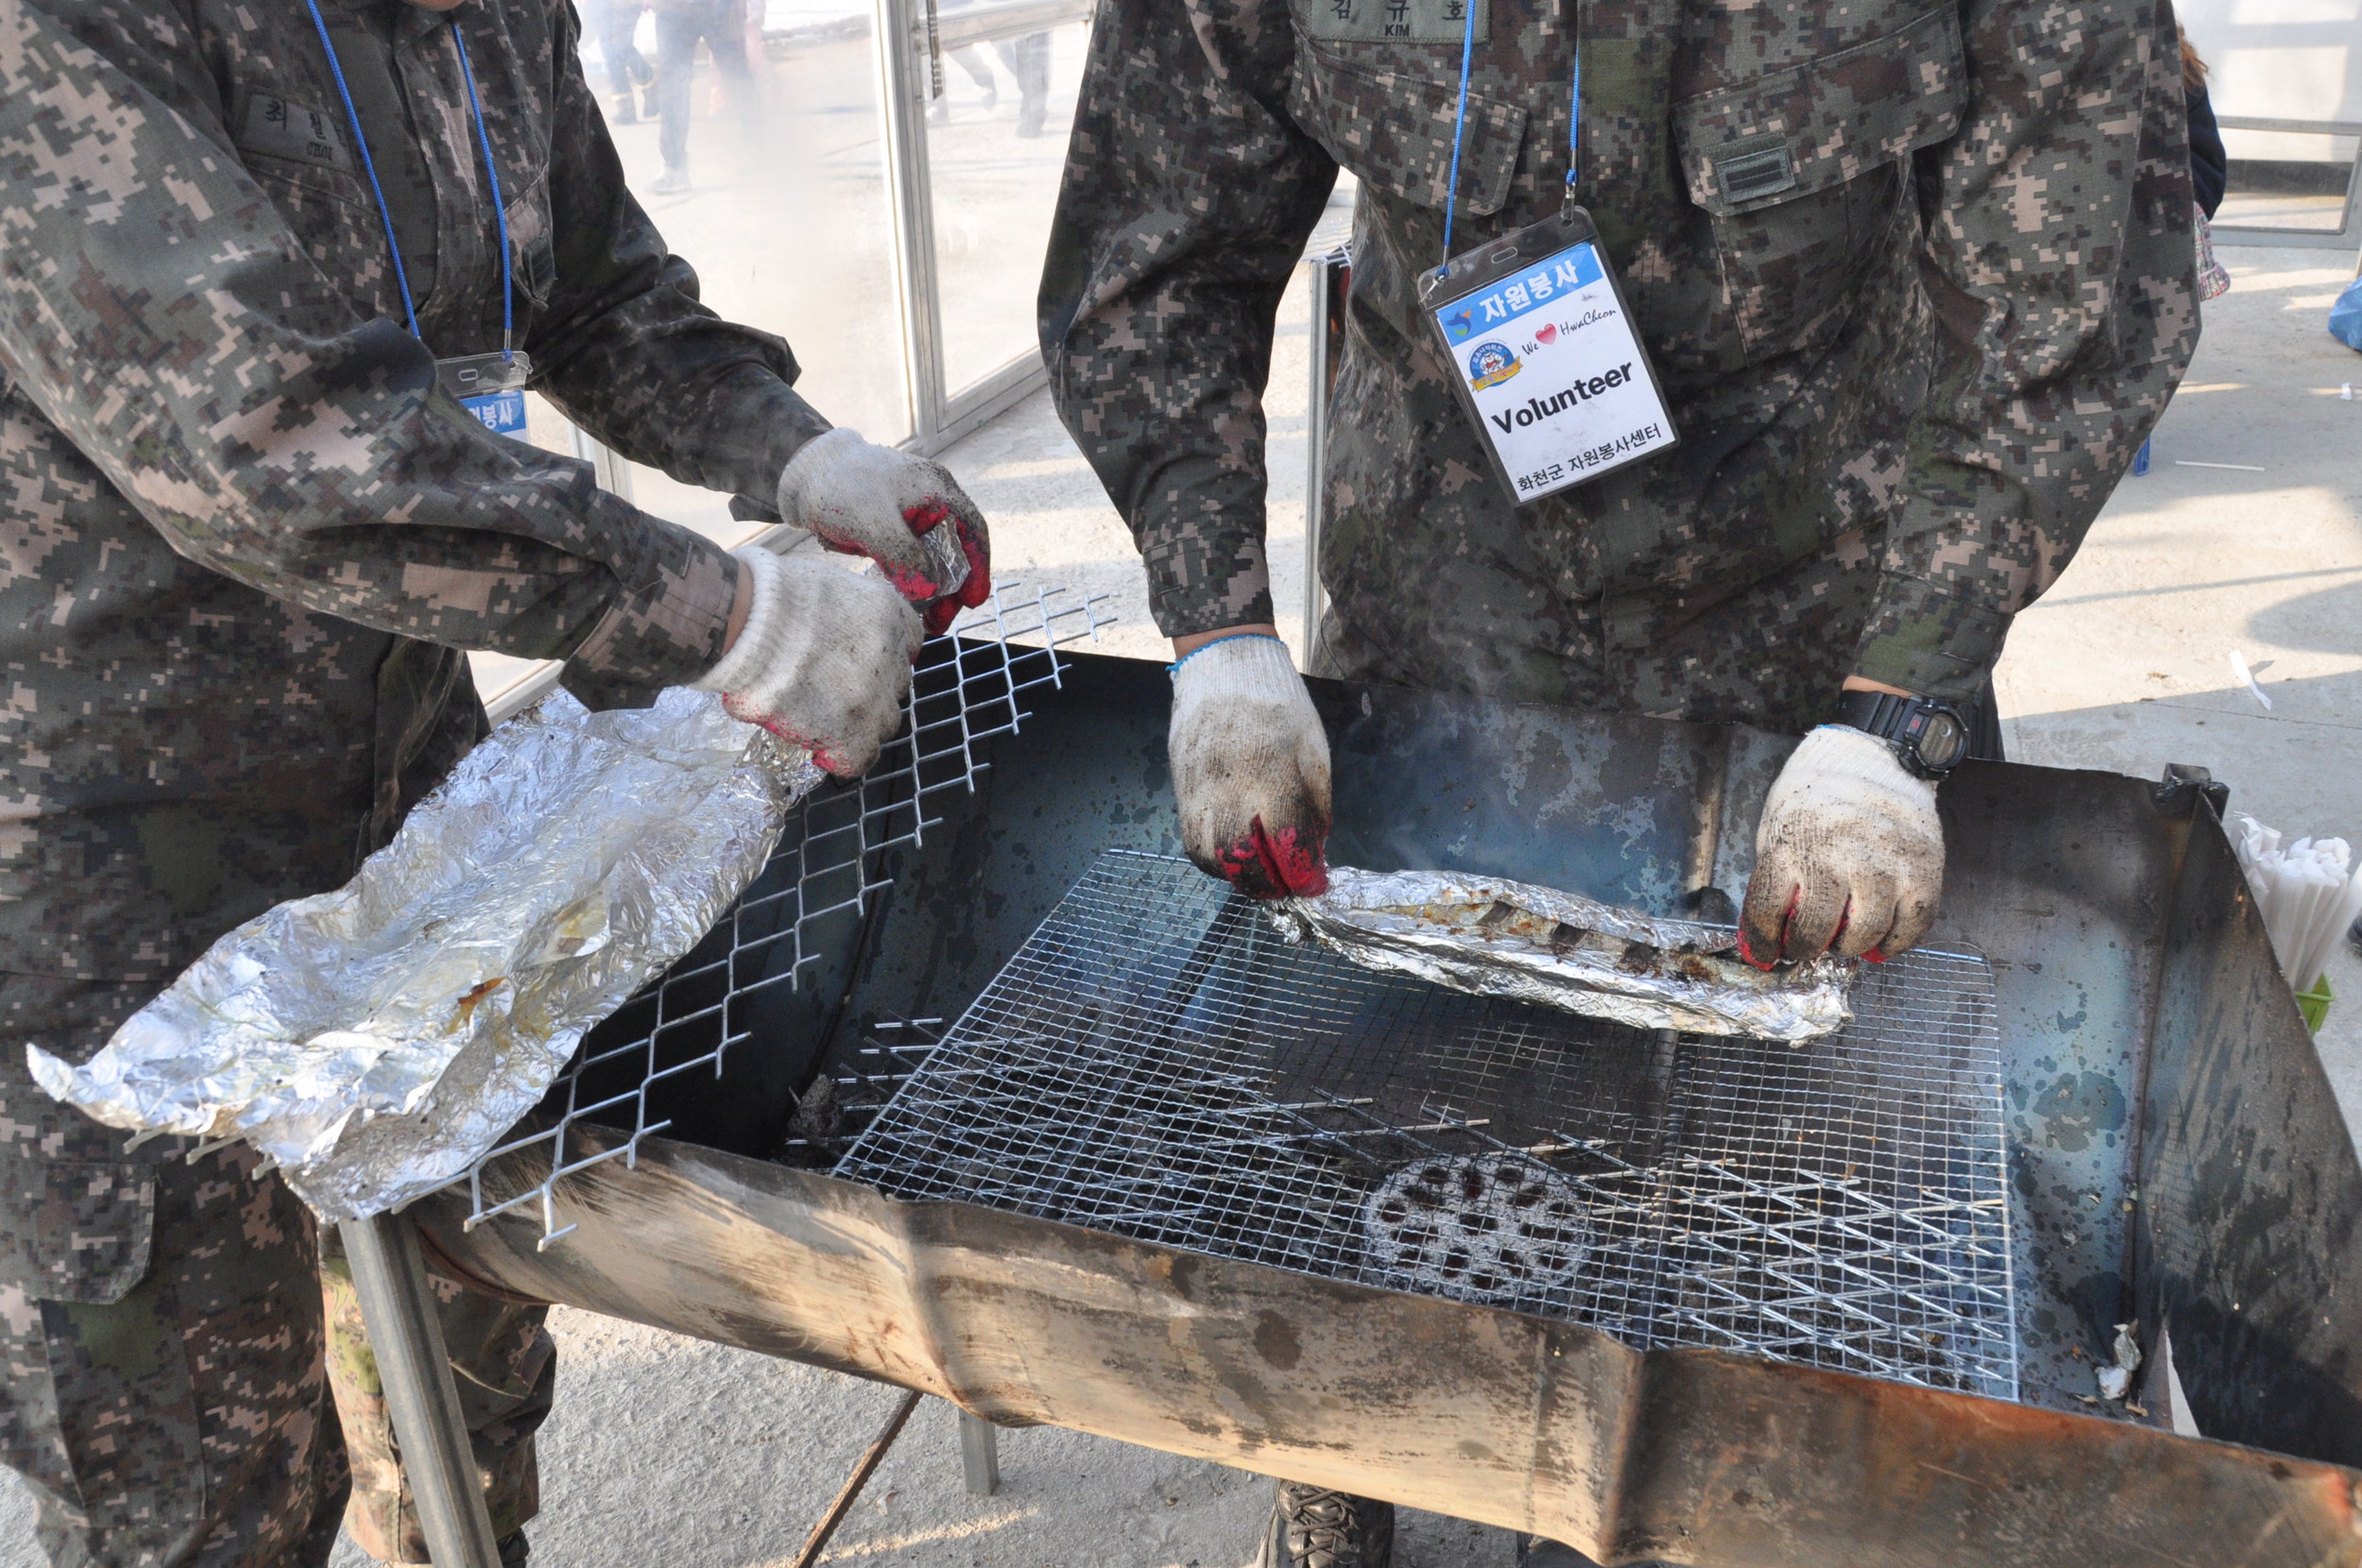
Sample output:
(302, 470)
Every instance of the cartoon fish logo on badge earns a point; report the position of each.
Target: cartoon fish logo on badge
(1491, 364)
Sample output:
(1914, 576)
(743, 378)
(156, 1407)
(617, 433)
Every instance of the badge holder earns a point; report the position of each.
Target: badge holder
(491, 386)
(1545, 358)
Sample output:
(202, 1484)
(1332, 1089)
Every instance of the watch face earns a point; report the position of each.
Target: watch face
(1943, 742)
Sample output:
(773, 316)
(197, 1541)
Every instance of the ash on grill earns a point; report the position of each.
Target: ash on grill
(1156, 1061)
(1488, 1227)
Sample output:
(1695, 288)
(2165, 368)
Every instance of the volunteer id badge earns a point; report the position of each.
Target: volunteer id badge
(1546, 358)
(491, 387)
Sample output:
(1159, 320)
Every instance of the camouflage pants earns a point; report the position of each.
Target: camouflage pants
(184, 1379)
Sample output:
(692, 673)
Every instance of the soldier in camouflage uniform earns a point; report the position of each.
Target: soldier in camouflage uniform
(1915, 276)
(246, 537)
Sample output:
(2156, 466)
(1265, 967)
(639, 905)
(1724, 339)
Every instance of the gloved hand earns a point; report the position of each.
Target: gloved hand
(823, 661)
(1849, 855)
(1250, 768)
(864, 500)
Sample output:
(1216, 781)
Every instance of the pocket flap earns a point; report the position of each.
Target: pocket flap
(1393, 129)
(84, 1234)
(1826, 121)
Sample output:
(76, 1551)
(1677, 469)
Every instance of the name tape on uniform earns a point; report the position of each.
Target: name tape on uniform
(281, 127)
(1392, 21)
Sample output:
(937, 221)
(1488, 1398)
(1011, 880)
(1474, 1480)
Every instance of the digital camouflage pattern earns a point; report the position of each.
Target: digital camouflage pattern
(242, 533)
(507, 1367)
(1917, 279)
(166, 1367)
(243, 538)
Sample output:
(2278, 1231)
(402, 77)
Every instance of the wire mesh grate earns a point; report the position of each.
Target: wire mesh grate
(967, 687)
(1158, 1061)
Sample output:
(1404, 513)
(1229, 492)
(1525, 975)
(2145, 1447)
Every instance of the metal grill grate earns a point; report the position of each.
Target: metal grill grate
(1158, 1061)
(967, 688)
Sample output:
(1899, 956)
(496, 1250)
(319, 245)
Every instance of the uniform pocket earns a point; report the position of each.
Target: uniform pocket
(1802, 170)
(1394, 130)
(76, 1231)
(532, 248)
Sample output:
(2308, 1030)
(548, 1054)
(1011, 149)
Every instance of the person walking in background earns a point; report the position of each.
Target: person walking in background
(681, 26)
(1025, 58)
(1028, 60)
(626, 67)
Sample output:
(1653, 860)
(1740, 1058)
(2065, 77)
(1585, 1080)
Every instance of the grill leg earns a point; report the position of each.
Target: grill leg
(398, 1307)
(980, 1455)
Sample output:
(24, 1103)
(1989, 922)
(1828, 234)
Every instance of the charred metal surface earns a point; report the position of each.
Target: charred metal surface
(2062, 880)
(1605, 807)
(2249, 1183)
(2178, 793)
(1684, 1457)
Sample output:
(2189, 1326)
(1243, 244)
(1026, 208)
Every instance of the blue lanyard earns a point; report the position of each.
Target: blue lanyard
(1459, 121)
(386, 214)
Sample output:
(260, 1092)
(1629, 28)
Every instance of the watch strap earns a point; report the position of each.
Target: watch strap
(1879, 713)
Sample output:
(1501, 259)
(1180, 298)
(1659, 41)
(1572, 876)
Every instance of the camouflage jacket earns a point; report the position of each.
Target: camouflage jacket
(242, 533)
(1916, 275)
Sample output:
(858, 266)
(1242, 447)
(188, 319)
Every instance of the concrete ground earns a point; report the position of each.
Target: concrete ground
(670, 1450)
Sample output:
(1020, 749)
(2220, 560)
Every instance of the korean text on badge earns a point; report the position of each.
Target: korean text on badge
(1555, 372)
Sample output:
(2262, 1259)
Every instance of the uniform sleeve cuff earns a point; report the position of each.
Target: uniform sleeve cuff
(1926, 639)
(1208, 585)
(668, 634)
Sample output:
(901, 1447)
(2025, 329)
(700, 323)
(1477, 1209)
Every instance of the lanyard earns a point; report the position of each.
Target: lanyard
(1459, 121)
(386, 214)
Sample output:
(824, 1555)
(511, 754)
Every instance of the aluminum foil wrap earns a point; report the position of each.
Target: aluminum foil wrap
(378, 1040)
(1499, 938)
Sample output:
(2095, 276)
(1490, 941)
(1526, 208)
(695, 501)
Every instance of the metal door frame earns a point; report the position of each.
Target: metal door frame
(1329, 268)
(940, 415)
(2349, 230)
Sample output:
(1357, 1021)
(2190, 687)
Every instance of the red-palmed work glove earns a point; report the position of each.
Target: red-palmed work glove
(823, 661)
(1250, 768)
(1849, 854)
(908, 515)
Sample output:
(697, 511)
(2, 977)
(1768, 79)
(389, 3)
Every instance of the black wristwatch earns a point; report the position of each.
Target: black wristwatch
(1929, 738)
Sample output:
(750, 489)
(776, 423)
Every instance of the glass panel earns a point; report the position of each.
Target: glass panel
(2286, 180)
(752, 138)
(995, 141)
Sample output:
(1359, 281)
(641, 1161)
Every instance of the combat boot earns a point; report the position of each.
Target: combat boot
(1315, 1527)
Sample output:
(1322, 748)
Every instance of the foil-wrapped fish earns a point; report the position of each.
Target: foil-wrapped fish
(1499, 938)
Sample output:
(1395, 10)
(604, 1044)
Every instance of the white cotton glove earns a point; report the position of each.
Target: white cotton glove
(1250, 768)
(1849, 854)
(881, 502)
(823, 661)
